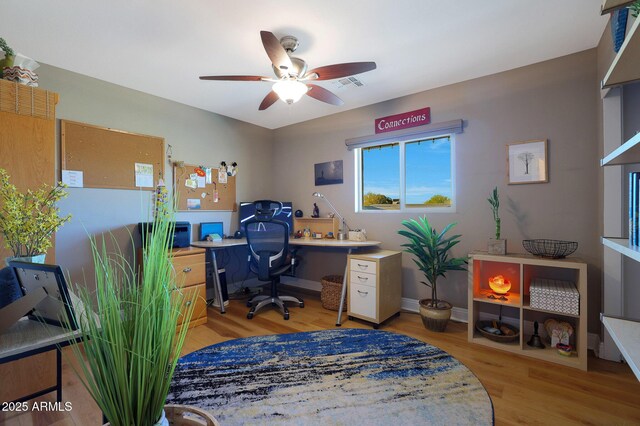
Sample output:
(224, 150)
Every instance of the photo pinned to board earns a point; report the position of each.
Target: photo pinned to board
(193, 204)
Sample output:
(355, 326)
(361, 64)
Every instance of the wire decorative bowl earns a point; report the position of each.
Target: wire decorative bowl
(555, 249)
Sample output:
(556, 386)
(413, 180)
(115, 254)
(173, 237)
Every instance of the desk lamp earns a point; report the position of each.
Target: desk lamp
(342, 233)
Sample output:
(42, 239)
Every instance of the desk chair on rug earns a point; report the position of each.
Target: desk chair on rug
(269, 257)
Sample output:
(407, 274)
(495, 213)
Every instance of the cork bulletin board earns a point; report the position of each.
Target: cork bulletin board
(107, 158)
(205, 196)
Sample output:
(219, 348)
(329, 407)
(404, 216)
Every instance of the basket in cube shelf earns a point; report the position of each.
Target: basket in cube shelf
(331, 291)
(554, 295)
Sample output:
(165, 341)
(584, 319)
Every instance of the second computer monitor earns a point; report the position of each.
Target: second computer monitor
(210, 228)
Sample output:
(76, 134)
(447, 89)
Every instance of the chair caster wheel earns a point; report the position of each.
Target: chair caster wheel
(286, 316)
(249, 304)
(301, 304)
(250, 315)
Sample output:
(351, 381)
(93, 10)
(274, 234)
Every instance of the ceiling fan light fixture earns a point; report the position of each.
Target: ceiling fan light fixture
(290, 91)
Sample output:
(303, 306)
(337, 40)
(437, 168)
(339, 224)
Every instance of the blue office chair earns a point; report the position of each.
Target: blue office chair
(269, 258)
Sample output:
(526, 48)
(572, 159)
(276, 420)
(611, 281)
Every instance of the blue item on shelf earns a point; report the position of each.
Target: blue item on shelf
(619, 27)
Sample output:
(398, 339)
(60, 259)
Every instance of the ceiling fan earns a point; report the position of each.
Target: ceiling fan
(292, 77)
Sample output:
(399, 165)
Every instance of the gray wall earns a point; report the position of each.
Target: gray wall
(197, 137)
(554, 100)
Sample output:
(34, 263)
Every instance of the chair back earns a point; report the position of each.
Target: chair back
(268, 240)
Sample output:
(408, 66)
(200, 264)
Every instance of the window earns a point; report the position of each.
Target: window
(401, 176)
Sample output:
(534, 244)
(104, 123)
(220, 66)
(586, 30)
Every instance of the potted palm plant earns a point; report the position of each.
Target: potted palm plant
(134, 329)
(431, 254)
(497, 245)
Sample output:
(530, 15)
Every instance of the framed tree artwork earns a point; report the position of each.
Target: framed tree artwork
(527, 162)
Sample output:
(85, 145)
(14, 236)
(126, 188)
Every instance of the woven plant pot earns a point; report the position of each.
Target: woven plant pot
(435, 319)
(331, 291)
(184, 415)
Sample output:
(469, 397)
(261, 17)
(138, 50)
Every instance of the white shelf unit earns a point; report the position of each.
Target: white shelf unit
(626, 334)
(621, 245)
(611, 5)
(625, 68)
(627, 153)
(521, 269)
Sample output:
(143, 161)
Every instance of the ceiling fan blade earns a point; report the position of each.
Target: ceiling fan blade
(276, 52)
(322, 94)
(233, 77)
(329, 72)
(268, 100)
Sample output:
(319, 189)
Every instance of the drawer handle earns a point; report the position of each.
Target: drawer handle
(360, 265)
(363, 278)
(363, 292)
(186, 270)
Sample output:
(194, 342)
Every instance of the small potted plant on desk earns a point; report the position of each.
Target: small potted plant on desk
(497, 245)
(431, 254)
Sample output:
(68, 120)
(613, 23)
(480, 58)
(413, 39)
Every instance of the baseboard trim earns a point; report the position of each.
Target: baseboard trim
(412, 305)
(462, 315)
(302, 283)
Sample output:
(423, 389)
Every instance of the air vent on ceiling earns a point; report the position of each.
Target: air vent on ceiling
(347, 82)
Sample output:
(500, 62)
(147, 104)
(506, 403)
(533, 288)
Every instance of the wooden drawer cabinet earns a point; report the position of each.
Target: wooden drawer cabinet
(190, 267)
(200, 310)
(375, 285)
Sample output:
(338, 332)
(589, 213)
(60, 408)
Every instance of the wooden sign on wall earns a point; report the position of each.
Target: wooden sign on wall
(198, 195)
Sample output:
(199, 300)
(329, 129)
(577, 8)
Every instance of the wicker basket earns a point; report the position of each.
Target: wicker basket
(497, 337)
(331, 291)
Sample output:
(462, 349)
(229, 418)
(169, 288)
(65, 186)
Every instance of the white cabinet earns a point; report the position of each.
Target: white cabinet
(375, 285)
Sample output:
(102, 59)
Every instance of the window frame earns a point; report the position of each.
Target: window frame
(359, 181)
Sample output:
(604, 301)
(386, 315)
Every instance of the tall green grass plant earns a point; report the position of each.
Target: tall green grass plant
(133, 341)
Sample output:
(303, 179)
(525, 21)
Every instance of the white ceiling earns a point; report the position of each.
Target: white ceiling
(161, 47)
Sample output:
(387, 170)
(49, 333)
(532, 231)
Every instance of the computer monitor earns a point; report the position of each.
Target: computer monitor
(209, 228)
(247, 211)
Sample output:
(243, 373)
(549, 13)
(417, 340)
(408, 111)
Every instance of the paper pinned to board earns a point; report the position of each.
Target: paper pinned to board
(73, 178)
(222, 176)
(201, 181)
(144, 175)
(191, 183)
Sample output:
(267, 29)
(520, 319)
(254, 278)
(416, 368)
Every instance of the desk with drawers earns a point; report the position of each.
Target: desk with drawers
(213, 246)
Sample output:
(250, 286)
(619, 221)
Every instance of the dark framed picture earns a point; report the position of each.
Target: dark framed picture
(527, 162)
(329, 173)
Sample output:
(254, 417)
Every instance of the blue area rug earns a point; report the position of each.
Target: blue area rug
(342, 376)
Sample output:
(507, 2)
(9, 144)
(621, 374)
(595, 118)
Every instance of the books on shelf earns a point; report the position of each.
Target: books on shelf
(634, 208)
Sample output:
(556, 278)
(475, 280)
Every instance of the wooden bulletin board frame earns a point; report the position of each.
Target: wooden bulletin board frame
(107, 157)
(226, 191)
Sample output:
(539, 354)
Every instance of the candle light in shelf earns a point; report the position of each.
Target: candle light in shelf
(500, 285)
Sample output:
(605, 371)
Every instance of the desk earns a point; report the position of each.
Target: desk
(298, 242)
(28, 337)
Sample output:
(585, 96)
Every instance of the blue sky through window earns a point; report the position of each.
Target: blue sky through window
(428, 170)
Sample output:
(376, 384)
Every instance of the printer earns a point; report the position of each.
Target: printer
(181, 235)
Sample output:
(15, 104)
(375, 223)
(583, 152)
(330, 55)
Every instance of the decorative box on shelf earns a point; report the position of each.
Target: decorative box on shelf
(555, 295)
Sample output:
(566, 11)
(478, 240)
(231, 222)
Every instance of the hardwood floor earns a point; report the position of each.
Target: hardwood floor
(523, 390)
